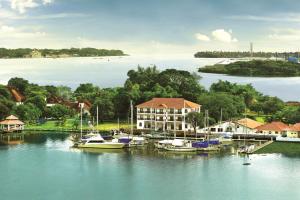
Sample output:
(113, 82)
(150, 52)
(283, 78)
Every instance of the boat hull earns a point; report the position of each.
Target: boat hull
(181, 149)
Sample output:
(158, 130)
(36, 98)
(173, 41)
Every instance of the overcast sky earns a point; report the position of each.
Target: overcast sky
(151, 26)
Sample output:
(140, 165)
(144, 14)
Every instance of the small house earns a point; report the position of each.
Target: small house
(12, 124)
(273, 128)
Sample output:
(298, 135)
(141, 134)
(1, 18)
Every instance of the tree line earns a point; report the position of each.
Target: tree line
(244, 54)
(74, 52)
(142, 85)
(255, 68)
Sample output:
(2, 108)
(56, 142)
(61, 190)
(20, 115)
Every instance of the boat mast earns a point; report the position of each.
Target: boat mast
(174, 123)
(97, 118)
(80, 120)
(184, 120)
(131, 108)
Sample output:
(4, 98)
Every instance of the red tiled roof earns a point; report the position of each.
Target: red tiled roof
(177, 103)
(295, 127)
(273, 126)
(249, 123)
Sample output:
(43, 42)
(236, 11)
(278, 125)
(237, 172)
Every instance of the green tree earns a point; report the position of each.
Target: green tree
(58, 112)
(231, 106)
(105, 107)
(27, 112)
(4, 92)
(196, 119)
(38, 101)
(4, 111)
(18, 83)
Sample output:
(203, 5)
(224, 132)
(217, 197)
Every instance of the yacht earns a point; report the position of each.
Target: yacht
(99, 143)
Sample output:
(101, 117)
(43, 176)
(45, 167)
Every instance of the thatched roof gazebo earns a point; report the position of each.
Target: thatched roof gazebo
(11, 124)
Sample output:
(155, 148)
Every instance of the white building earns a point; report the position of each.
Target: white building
(165, 114)
(242, 126)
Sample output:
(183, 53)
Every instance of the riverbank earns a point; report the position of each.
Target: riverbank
(281, 147)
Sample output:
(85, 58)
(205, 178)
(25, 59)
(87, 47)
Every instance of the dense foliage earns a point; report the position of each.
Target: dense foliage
(242, 54)
(255, 68)
(74, 52)
(142, 85)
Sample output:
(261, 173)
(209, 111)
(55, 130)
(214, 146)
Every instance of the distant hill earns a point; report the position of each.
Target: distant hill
(258, 68)
(57, 53)
(243, 54)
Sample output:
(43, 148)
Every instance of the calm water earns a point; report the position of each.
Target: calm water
(109, 72)
(46, 168)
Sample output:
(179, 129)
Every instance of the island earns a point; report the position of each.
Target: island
(57, 53)
(244, 54)
(257, 68)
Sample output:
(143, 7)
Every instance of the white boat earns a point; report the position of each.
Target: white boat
(180, 146)
(163, 143)
(84, 138)
(98, 142)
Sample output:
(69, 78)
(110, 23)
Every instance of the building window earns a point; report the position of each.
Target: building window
(220, 129)
(140, 124)
(213, 129)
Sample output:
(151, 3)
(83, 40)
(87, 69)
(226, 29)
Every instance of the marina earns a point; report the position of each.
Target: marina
(49, 156)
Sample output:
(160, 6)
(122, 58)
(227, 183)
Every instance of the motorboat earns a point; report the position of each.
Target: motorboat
(98, 142)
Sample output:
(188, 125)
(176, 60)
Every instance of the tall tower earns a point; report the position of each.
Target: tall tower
(251, 49)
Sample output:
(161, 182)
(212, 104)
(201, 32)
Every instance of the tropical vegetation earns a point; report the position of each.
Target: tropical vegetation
(72, 52)
(233, 100)
(255, 68)
(243, 54)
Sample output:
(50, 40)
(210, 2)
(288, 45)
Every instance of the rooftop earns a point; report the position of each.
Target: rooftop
(273, 126)
(11, 120)
(177, 103)
(250, 123)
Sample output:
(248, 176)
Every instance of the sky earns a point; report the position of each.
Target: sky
(151, 26)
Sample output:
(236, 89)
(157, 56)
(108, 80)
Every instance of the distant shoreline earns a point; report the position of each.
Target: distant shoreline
(255, 68)
(58, 53)
(96, 57)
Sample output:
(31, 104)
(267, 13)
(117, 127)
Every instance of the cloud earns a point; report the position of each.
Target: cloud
(11, 33)
(283, 17)
(285, 34)
(22, 5)
(202, 37)
(45, 2)
(223, 36)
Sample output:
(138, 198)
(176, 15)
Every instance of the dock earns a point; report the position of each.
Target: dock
(260, 147)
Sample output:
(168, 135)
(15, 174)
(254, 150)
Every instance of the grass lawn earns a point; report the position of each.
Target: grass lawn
(281, 147)
(52, 125)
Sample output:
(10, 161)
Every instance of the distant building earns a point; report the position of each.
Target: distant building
(165, 114)
(12, 124)
(241, 126)
(36, 54)
(273, 128)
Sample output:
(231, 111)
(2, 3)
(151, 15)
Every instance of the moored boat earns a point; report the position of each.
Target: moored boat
(180, 146)
(99, 143)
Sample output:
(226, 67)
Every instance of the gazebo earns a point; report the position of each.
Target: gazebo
(12, 124)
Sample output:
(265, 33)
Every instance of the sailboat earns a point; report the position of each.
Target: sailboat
(179, 145)
(96, 141)
(209, 145)
(129, 139)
